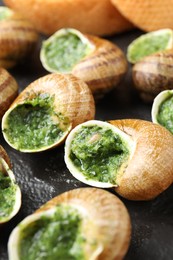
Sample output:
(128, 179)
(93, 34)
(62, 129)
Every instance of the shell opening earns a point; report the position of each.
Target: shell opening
(97, 152)
(34, 124)
(63, 50)
(54, 233)
(149, 43)
(9, 194)
(162, 109)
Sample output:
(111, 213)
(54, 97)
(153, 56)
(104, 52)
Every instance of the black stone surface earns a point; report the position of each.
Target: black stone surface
(43, 176)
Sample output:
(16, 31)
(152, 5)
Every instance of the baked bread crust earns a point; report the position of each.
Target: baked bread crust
(92, 16)
(148, 15)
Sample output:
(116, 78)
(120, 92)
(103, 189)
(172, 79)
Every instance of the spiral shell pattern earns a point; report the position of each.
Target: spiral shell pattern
(73, 98)
(8, 90)
(104, 68)
(150, 170)
(18, 38)
(72, 103)
(154, 74)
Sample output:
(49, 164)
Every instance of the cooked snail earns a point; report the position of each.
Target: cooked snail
(162, 109)
(133, 156)
(149, 43)
(153, 74)
(44, 113)
(8, 90)
(10, 194)
(100, 63)
(18, 37)
(85, 223)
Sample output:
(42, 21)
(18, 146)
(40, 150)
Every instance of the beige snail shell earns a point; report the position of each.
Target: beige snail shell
(68, 102)
(153, 74)
(144, 173)
(8, 90)
(10, 188)
(106, 225)
(18, 38)
(102, 68)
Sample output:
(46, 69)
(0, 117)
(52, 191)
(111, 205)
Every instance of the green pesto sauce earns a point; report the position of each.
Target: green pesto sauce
(53, 237)
(165, 114)
(148, 46)
(63, 52)
(30, 125)
(4, 13)
(98, 153)
(7, 196)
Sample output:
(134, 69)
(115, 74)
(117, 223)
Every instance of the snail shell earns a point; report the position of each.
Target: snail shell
(153, 74)
(14, 203)
(158, 101)
(18, 38)
(102, 68)
(8, 90)
(72, 104)
(105, 220)
(148, 169)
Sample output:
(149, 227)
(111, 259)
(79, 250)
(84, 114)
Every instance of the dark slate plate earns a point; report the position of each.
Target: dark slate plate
(43, 176)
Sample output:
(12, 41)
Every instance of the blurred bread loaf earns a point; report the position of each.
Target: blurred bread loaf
(148, 15)
(97, 17)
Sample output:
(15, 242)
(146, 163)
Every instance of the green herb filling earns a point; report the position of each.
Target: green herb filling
(34, 125)
(7, 196)
(98, 153)
(165, 114)
(147, 46)
(53, 237)
(63, 52)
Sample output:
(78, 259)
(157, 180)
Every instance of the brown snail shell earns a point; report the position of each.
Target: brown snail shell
(8, 90)
(102, 68)
(150, 170)
(6, 169)
(72, 99)
(147, 171)
(105, 219)
(18, 38)
(153, 74)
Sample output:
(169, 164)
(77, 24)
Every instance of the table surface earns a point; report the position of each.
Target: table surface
(44, 175)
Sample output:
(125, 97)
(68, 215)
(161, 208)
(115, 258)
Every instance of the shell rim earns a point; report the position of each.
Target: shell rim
(4, 125)
(75, 172)
(163, 95)
(18, 193)
(59, 33)
(130, 47)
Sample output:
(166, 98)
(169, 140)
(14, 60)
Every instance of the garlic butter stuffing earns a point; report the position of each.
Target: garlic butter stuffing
(152, 55)
(56, 234)
(80, 224)
(95, 151)
(132, 155)
(34, 124)
(10, 194)
(162, 109)
(98, 62)
(43, 114)
(64, 49)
